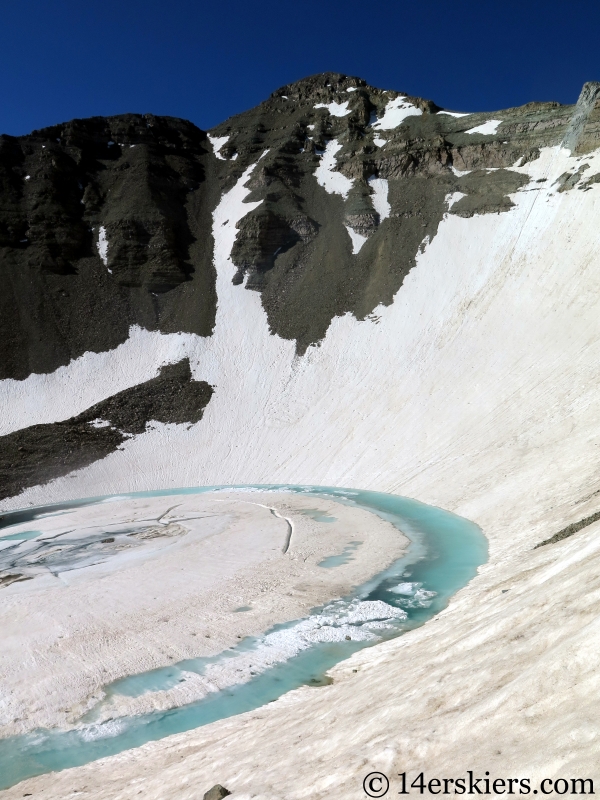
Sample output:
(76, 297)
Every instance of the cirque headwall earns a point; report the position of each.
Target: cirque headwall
(190, 308)
(344, 286)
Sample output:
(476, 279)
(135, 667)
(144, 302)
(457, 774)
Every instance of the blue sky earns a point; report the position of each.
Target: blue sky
(206, 61)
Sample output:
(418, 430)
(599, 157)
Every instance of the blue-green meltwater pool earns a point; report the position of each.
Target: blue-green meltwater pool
(443, 556)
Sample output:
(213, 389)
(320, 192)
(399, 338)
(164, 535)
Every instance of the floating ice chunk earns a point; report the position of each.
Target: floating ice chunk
(423, 597)
(379, 198)
(340, 621)
(336, 109)
(327, 633)
(404, 588)
(27, 177)
(357, 239)
(377, 626)
(416, 596)
(455, 113)
(332, 182)
(104, 730)
(379, 141)
(217, 143)
(369, 611)
(102, 246)
(396, 112)
(488, 128)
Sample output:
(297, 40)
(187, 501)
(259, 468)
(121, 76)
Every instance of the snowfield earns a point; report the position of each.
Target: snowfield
(477, 391)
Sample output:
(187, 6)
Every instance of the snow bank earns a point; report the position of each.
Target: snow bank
(454, 113)
(395, 113)
(332, 181)
(379, 198)
(357, 239)
(335, 109)
(217, 143)
(487, 128)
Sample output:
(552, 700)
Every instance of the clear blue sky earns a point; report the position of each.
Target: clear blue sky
(208, 60)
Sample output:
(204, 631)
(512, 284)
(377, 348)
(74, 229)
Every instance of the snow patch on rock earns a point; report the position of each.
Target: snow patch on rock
(455, 113)
(332, 181)
(379, 198)
(460, 172)
(102, 246)
(488, 128)
(335, 109)
(396, 111)
(453, 198)
(217, 143)
(357, 239)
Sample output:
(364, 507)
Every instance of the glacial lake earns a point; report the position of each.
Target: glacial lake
(443, 556)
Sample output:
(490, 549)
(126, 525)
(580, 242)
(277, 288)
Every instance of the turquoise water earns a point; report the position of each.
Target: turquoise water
(341, 558)
(444, 554)
(20, 537)
(317, 515)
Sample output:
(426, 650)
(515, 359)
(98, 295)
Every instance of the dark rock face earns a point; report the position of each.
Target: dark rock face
(583, 133)
(171, 397)
(217, 792)
(139, 182)
(570, 530)
(294, 248)
(105, 223)
(40, 453)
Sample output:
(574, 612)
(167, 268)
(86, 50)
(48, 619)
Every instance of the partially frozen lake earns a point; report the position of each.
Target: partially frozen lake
(444, 554)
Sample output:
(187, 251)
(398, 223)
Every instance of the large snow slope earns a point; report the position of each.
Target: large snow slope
(491, 336)
(475, 390)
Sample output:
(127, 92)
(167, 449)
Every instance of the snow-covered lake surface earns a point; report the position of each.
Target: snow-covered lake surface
(443, 556)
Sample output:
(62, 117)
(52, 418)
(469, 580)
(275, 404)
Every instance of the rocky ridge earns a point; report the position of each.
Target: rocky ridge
(105, 223)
